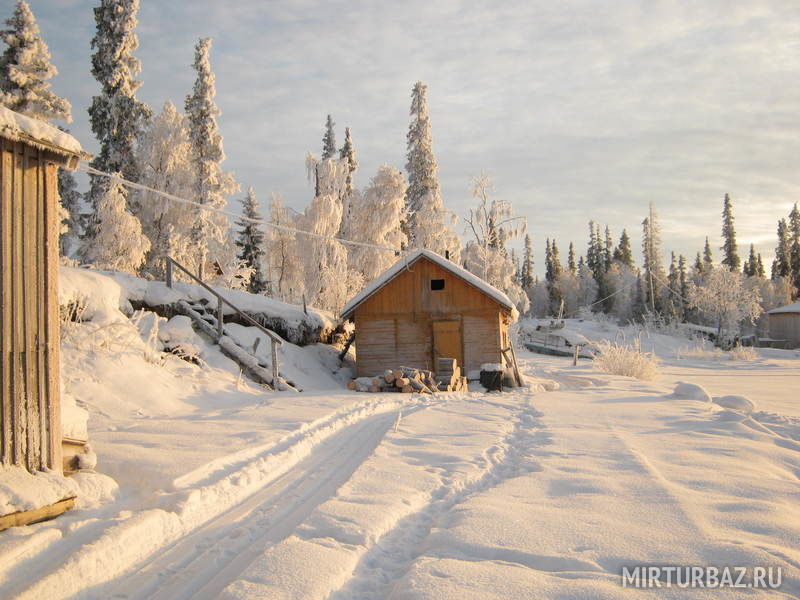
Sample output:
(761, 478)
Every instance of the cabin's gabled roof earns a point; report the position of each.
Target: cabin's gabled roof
(413, 257)
(789, 308)
(41, 135)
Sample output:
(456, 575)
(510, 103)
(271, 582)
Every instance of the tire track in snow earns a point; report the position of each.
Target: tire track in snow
(133, 540)
(390, 558)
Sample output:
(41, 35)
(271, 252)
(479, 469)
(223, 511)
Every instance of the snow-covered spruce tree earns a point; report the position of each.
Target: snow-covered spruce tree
(571, 259)
(750, 267)
(25, 68)
(730, 250)
(329, 140)
(623, 253)
(492, 223)
(540, 299)
(653, 266)
(250, 241)
(683, 286)
(348, 153)
(622, 278)
(118, 244)
(672, 302)
(553, 270)
(284, 264)
(782, 265)
(116, 115)
(377, 215)
(427, 217)
(211, 185)
(526, 272)
(708, 258)
(794, 251)
(724, 298)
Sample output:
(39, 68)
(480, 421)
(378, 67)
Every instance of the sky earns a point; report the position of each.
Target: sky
(577, 109)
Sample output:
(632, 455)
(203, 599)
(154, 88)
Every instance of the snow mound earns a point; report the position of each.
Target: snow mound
(690, 391)
(733, 402)
(21, 490)
(89, 296)
(177, 335)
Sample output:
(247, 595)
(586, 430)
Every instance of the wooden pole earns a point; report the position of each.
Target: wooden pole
(575, 356)
(169, 272)
(219, 319)
(274, 365)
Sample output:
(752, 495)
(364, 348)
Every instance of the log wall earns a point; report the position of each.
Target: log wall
(29, 339)
(394, 326)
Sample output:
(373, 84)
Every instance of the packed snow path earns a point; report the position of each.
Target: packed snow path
(201, 564)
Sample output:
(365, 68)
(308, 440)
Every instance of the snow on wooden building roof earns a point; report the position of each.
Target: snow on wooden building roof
(39, 134)
(789, 308)
(410, 259)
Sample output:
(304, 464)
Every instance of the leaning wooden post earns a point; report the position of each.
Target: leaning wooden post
(575, 356)
(169, 272)
(274, 365)
(219, 318)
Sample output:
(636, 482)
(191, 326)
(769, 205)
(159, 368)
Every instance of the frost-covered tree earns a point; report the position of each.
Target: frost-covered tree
(163, 163)
(491, 224)
(623, 253)
(377, 215)
(623, 279)
(25, 69)
(250, 241)
(526, 274)
(539, 296)
(553, 271)
(587, 286)
(211, 185)
(347, 153)
(116, 115)
(652, 263)
(284, 265)
(782, 265)
(71, 203)
(118, 243)
(427, 217)
(730, 249)
(726, 299)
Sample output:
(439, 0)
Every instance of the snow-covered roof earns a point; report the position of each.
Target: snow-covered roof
(37, 133)
(411, 258)
(789, 308)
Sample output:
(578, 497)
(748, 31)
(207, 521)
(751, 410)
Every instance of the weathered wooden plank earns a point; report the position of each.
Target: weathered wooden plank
(6, 188)
(29, 270)
(19, 421)
(41, 314)
(36, 515)
(52, 325)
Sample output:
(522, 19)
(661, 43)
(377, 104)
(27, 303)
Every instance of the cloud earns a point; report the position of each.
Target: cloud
(578, 109)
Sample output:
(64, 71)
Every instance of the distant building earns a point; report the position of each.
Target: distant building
(784, 324)
(424, 308)
(31, 152)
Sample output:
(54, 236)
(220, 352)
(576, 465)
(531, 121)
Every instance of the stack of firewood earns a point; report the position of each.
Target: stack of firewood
(411, 380)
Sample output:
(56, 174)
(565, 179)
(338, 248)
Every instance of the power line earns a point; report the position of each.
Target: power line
(138, 186)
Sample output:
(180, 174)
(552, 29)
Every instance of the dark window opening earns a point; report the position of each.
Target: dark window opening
(437, 284)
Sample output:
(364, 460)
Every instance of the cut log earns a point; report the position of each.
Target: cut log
(406, 389)
(352, 385)
(401, 381)
(389, 376)
(375, 388)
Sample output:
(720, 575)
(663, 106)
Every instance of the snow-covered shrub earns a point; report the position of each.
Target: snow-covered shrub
(704, 350)
(625, 360)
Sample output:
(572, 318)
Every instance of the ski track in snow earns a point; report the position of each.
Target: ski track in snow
(112, 547)
(200, 564)
(388, 560)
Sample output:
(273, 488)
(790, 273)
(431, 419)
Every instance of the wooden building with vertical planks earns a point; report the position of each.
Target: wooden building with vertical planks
(32, 153)
(426, 307)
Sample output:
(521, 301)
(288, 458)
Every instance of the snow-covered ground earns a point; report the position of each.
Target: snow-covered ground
(228, 490)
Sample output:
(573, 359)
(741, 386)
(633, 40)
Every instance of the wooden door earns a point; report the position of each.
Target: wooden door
(447, 341)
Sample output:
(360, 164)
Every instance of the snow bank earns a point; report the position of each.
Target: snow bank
(21, 490)
(177, 335)
(734, 402)
(73, 419)
(690, 391)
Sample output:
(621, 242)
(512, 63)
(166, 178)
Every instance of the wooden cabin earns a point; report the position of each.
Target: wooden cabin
(423, 308)
(784, 325)
(32, 153)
